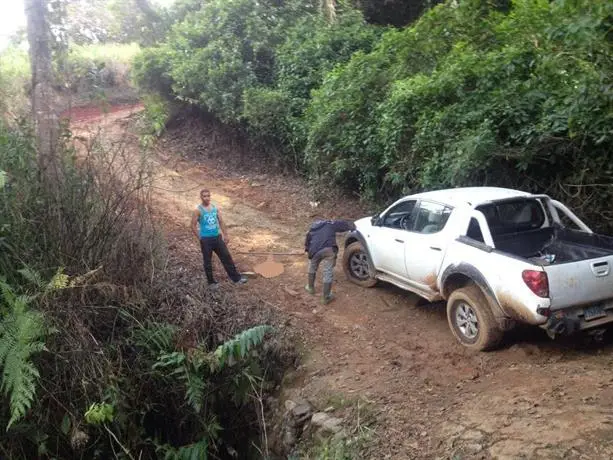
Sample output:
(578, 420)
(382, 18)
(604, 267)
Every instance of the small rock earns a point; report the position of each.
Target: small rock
(290, 291)
(329, 409)
(473, 448)
(327, 423)
(302, 410)
(472, 435)
(423, 434)
(289, 405)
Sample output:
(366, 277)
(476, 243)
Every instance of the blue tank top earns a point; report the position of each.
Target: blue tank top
(209, 223)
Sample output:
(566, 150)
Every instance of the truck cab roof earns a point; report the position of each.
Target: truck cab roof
(471, 196)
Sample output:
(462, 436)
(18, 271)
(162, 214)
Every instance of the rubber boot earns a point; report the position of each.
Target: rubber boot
(328, 297)
(310, 287)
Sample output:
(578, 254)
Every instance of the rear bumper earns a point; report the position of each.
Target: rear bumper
(572, 320)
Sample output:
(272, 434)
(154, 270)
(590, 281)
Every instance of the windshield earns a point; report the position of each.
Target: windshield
(513, 216)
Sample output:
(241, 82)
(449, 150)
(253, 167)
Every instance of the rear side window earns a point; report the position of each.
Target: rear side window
(474, 230)
(513, 216)
(431, 217)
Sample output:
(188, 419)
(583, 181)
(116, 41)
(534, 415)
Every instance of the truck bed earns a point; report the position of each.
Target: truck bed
(578, 264)
(555, 245)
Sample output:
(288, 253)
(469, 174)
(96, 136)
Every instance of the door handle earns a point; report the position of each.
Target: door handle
(434, 248)
(398, 241)
(600, 269)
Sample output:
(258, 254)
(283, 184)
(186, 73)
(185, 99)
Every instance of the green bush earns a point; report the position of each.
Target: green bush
(92, 68)
(151, 70)
(470, 96)
(15, 82)
(312, 47)
(225, 48)
(153, 119)
(254, 64)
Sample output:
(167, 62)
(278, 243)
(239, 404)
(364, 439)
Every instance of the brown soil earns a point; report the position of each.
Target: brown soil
(430, 397)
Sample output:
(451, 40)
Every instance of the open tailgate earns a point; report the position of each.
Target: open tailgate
(579, 283)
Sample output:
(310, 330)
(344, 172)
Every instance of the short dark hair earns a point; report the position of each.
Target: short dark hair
(204, 190)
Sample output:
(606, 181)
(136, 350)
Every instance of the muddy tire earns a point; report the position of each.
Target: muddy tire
(471, 319)
(355, 265)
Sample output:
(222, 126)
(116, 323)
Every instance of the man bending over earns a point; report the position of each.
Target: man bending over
(320, 244)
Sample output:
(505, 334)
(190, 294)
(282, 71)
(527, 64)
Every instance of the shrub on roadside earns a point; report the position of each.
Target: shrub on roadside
(312, 47)
(471, 96)
(122, 350)
(153, 119)
(90, 69)
(14, 83)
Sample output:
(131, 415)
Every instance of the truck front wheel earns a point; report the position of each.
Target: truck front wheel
(355, 265)
(471, 320)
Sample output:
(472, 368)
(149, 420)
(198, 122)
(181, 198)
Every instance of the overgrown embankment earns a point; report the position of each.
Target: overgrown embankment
(514, 94)
(109, 348)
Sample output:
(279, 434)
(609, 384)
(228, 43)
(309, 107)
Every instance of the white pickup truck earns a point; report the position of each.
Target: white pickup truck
(497, 256)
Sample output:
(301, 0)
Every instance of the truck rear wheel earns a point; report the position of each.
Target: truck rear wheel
(471, 319)
(355, 265)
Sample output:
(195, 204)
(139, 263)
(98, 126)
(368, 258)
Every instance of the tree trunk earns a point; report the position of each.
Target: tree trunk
(45, 118)
(328, 8)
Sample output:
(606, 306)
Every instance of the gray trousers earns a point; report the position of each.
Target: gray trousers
(327, 258)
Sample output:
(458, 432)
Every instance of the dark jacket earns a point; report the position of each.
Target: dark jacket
(322, 234)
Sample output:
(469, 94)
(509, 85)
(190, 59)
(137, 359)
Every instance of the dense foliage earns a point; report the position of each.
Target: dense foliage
(470, 95)
(100, 353)
(474, 92)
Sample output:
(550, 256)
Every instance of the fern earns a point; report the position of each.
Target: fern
(22, 334)
(237, 348)
(192, 371)
(190, 375)
(59, 281)
(155, 337)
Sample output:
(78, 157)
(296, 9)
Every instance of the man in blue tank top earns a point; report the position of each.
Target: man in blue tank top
(208, 226)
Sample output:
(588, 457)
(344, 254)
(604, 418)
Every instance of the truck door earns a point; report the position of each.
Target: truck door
(388, 238)
(425, 246)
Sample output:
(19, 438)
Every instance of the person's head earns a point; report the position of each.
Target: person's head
(205, 196)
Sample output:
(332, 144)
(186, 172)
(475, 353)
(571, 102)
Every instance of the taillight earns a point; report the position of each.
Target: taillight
(537, 282)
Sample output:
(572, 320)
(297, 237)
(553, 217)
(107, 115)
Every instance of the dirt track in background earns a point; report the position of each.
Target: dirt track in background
(430, 397)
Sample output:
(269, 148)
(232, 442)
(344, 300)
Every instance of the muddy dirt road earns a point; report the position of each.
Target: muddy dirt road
(429, 396)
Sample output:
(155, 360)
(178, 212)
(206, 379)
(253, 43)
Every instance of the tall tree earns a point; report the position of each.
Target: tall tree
(328, 8)
(45, 116)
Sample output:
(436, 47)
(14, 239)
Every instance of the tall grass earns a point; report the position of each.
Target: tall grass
(88, 72)
(14, 82)
(95, 67)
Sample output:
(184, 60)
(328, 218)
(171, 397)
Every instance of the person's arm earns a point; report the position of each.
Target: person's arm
(307, 241)
(195, 218)
(222, 226)
(341, 226)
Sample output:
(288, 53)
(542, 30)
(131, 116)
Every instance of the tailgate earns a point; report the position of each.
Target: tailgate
(579, 283)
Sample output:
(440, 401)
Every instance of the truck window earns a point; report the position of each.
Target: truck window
(513, 216)
(431, 217)
(474, 230)
(400, 216)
